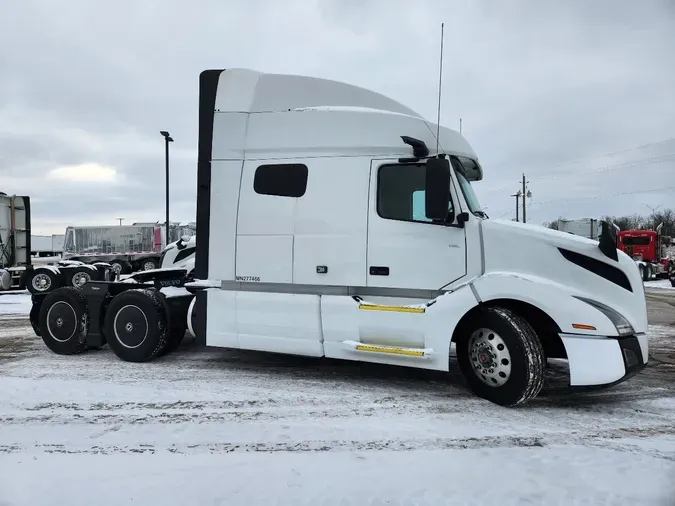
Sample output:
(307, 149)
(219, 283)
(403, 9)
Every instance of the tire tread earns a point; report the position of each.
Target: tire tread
(57, 295)
(163, 331)
(533, 350)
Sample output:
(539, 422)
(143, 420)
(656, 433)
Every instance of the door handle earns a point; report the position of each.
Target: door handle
(379, 270)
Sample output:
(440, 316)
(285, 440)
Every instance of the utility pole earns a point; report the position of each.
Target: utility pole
(525, 194)
(524, 199)
(517, 195)
(120, 220)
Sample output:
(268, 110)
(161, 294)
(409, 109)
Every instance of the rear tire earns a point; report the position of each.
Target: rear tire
(501, 357)
(136, 325)
(80, 276)
(34, 318)
(646, 272)
(176, 336)
(119, 267)
(63, 321)
(43, 281)
(149, 264)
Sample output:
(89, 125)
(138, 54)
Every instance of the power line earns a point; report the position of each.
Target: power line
(609, 168)
(649, 145)
(579, 160)
(650, 190)
(620, 194)
(599, 170)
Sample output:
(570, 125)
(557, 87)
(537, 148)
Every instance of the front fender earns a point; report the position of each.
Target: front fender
(554, 299)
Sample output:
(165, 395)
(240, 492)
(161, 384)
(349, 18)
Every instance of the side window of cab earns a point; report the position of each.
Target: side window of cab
(401, 192)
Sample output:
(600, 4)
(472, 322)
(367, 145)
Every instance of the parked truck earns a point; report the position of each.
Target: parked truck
(127, 248)
(15, 242)
(649, 250)
(585, 227)
(179, 254)
(47, 245)
(335, 223)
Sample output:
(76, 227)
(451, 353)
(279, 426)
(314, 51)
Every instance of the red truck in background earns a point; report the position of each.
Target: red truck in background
(649, 249)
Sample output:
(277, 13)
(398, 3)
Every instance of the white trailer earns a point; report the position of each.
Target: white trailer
(332, 226)
(585, 227)
(177, 230)
(15, 245)
(127, 248)
(47, 245)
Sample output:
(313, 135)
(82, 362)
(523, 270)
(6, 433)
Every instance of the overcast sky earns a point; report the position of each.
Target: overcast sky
(543, 87)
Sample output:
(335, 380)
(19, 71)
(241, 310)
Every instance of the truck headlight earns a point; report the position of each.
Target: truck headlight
(623, 327)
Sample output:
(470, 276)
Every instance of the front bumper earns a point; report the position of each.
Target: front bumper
(604, 361)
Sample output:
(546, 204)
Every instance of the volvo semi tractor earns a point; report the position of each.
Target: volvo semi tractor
(336, 222)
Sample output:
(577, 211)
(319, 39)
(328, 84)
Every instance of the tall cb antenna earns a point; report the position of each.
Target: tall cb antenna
(440, 83)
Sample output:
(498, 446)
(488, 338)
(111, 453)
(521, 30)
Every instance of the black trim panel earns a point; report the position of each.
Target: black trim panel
(199, 320)
(609, 272)
(208, 88)
(182, 255)
(29, 246)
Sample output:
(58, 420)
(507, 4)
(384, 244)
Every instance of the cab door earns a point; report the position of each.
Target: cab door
(405, 249)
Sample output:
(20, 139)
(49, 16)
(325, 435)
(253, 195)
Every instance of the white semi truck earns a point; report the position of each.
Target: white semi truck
(179, 254)
(335, 223)
(15, 244)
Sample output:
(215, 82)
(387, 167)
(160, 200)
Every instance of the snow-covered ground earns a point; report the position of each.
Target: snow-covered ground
(663, 284)
(225, 427)
(15, 304)
(45, 260)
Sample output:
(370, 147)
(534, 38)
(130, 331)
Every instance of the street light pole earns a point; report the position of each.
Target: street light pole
(167, 140)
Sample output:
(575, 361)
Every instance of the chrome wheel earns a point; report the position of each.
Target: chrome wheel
(41, 282)
(80, 278)
(489, 357)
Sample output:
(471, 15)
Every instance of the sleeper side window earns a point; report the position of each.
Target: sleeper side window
(401, 192)
(283, 180)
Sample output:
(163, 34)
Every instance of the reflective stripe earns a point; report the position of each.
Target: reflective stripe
(393, 351)
(396, 309)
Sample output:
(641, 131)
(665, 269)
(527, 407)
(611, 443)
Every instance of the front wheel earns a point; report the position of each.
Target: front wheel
(501, 357)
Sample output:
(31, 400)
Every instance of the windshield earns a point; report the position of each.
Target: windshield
(467, 189)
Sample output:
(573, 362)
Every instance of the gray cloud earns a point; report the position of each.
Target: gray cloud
(537, 84)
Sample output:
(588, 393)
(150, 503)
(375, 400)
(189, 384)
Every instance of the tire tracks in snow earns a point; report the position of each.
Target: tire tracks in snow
(609, 439)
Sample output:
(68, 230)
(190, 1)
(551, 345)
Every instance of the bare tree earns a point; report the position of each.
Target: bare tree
(555, 224)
